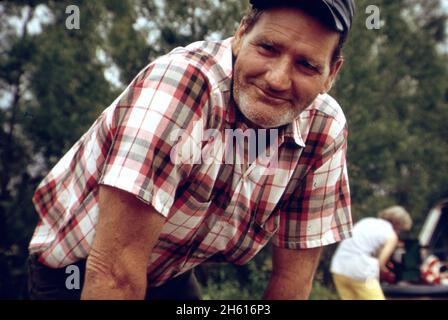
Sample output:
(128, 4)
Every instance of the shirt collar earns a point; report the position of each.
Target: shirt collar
(292, 131)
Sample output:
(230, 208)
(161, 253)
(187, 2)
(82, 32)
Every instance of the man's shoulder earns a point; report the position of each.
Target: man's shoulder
(328, 105)
(325, 116)
(213, 59)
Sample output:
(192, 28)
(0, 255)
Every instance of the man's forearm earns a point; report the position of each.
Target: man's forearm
(102, 283)
(108, 288)
(292, 273)
(126, 233)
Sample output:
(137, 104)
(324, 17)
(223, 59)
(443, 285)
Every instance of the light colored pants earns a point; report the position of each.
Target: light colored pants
(351, 289)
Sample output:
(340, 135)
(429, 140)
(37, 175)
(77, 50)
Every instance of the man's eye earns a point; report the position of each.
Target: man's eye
(267, 47)
(307, 65)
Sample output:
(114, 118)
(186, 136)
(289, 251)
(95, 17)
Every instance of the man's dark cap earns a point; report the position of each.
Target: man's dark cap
(337, 13)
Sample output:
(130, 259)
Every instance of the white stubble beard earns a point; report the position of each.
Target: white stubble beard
(266, 121)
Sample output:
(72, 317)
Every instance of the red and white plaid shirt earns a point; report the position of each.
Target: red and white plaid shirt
(215, 210)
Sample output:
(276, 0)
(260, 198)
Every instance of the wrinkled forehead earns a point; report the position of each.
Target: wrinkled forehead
(293, 19)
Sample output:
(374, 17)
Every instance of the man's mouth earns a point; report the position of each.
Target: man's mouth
(269, 98)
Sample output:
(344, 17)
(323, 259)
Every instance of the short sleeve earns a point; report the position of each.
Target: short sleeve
(165, 100)
(318, 212)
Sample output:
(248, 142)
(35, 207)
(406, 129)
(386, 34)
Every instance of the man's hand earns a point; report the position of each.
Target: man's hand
(292, 273)
(127, 231)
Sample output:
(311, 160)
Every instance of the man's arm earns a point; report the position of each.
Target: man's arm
(292, 273)
(126, 232)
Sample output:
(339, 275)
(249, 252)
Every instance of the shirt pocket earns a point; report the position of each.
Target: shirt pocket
(185, 217)
(262, 226)
(179, 234)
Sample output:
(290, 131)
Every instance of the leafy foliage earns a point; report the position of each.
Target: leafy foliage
(54, 82)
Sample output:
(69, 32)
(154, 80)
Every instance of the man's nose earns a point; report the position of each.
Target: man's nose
(278, 76)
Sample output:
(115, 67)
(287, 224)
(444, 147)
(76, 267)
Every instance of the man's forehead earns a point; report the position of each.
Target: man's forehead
(293, 25)
(280, 15)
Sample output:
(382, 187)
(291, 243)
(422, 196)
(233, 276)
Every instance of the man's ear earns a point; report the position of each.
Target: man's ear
(334, 70)
(238, 37)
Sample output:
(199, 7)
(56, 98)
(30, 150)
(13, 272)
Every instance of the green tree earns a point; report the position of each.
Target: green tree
(58, 89)
(17, 49)
(393, 90)
(54, 83)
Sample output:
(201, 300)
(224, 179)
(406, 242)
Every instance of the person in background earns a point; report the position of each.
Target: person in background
(358, 261)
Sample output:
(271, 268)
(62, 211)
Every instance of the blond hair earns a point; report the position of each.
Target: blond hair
(398, 216)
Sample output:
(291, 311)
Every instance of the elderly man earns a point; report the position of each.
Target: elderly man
(136, 218)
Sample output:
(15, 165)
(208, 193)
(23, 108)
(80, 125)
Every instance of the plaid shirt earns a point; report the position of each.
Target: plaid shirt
(215, 210)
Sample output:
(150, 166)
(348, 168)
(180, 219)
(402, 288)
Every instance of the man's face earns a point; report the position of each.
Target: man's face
(281, 65)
